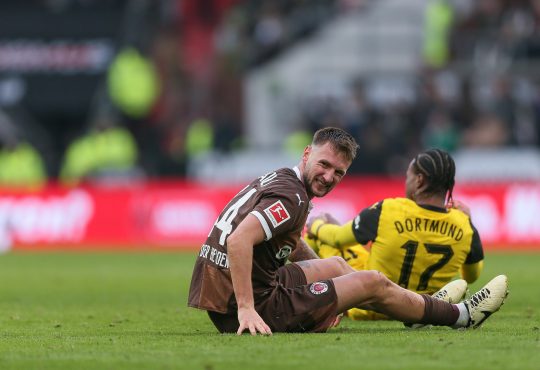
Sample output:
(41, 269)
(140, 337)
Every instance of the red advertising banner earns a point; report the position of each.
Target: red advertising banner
(180, 214)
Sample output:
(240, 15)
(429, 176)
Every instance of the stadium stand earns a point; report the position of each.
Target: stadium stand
(460, 75)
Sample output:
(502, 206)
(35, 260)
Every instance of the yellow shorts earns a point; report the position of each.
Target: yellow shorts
(356, 255)
(365, 315)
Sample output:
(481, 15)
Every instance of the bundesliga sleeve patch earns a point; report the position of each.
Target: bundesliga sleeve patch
(318, 288)
(277, 213)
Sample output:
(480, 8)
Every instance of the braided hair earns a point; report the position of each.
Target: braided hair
(439, 169)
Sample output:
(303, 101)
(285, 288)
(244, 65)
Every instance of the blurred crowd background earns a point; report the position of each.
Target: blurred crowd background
(137, 89)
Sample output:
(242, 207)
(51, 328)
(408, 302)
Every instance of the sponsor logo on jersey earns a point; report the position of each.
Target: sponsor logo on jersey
(284, 252)
(318, 288)
(277, 213)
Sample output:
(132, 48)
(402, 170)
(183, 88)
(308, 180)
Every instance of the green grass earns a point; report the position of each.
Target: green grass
(128, 311)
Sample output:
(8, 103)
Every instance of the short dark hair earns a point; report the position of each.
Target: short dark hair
(439, 168)
(341, 140)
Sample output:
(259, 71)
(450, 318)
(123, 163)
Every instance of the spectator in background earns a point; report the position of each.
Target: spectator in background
(296, 142)
(486, 131)
(201, 52)
(21, 165)
(199, 137)
(106, 151)
(133, 90)
(357, 111)
(168, 118)
(132, 83)
(511, 100)
(440, 131)
(437, 27)
(503, 102)
(532, 40)
(269, 31)
(372, 140)
(479, 29)
(226, 130)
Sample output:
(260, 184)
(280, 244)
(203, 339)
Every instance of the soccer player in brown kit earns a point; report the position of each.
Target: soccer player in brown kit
(242, 280)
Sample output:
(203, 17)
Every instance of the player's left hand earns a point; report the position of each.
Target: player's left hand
(250, 320)
(336, 321)
(326, 218)
(460, 206)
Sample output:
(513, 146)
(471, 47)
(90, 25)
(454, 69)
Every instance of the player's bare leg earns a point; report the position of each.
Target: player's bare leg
(372, 290)
(324, 269)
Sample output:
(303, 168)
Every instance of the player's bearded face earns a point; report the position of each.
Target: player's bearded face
(324, 167)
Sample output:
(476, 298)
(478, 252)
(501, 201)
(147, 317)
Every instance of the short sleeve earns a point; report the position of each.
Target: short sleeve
(280, 213)
(477, 252)
(365, 225)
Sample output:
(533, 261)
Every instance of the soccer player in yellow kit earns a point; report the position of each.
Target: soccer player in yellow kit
(420, 242)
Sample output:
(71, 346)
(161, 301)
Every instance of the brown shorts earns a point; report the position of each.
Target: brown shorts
(293, 306)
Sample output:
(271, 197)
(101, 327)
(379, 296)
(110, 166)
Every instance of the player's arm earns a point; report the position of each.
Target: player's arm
(302, 252)
(363, 229)
(338, 236)
(471, 272)
(240, 252)
(474, 264)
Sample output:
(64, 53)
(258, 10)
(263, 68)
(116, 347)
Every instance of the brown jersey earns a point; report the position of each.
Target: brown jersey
(280, 202)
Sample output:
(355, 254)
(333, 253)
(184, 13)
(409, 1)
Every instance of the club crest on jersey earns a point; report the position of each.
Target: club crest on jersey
(277, 213)
(283, 252)
(318, 288)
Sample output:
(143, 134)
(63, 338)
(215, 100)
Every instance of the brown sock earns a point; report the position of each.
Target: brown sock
(438, 312)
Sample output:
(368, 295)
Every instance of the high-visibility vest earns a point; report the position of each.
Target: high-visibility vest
(199, 137)
(113, 148)
(133, 83)
(438, 21)
(22, 167)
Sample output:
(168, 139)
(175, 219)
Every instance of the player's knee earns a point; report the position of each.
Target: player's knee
(376, 281)
(341, 266)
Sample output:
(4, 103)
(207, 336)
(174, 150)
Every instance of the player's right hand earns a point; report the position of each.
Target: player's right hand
(250, 320)
(325, 218)
(336, 321)
(309, 226)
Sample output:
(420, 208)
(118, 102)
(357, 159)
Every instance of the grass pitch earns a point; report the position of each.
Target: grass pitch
(128, 311)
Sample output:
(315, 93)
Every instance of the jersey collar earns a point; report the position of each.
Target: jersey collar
(433, 208)
(297, 171)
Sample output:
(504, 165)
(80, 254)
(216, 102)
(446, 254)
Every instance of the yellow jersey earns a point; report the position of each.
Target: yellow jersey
(419, 247)
(355, 255)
